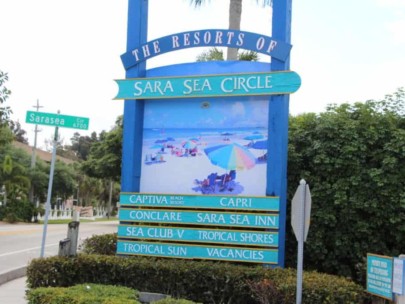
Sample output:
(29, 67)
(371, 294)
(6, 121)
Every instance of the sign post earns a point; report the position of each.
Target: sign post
(300, 219)
(56, 120)
(48, 198)
(398, 284)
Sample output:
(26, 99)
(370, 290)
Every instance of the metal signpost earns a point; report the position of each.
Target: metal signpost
(300, 219)
(55, 120)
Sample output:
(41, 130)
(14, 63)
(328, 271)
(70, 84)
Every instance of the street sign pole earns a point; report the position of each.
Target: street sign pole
(48, 199)
(300, 219)
(300, 237)
(54, 120)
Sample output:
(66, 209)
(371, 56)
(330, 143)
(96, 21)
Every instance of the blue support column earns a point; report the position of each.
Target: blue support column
(278, 122)
(134, 109)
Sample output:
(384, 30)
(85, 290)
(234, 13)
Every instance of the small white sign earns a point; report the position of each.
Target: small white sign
(296, 205)
(398, 276)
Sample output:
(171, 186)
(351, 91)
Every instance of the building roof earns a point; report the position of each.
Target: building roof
(41, 154)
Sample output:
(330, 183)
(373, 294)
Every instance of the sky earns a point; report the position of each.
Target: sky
(221, 113)
(66, 54)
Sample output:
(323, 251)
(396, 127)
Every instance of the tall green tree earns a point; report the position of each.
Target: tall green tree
(20, 134)
(5, 93)
(235, 17)
(353, 158)
(214, 54)
(64, 181)
(81, 144)
(14, 174)
(104, 159)
(6, 136)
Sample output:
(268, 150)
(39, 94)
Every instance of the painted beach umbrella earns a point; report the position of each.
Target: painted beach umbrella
(170, 139)
(156, 146)
(260, 145)
(160, 141)
(189, 144)
(253, 137)
(231, 157)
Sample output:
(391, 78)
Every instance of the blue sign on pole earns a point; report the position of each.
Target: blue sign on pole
(199, 235)
(200, 201)
(203, 38)
(266, 256)
(192, 85)
(252, 220)
(379, 275)
(248, 84)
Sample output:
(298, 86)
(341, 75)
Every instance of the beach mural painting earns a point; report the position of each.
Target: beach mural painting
(207, 147)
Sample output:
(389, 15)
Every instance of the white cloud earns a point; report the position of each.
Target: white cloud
(238, 109)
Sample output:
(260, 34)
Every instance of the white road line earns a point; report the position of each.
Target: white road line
(25, 250)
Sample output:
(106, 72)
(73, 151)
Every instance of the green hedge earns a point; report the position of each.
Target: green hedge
(200, 281)
(83, 294)
(100, 244)
(16, 211)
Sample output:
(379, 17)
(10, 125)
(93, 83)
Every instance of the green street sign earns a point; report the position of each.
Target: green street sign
(57, 120)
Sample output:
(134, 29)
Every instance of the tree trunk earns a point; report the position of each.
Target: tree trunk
(235, 15)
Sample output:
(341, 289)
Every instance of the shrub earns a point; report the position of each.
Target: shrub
(200, 281)
(17, 211)
(83, 294)
(105, 244)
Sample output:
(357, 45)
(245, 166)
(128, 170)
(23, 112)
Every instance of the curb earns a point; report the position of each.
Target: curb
(13, 274)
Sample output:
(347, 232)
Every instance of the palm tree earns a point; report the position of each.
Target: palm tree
(14, 177)
(235, 15)
(214, 54)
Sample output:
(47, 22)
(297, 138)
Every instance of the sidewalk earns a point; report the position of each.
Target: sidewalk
(12, 286)
(13, 292)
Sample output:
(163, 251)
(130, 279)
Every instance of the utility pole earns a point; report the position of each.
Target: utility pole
(33, 155)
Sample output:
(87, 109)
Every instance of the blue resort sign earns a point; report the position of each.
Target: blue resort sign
(200, 202)
(285, 82)
(239, 254)
(200, 235)
(204, 153)
(195, 228)
(203, 38)
(252, 220)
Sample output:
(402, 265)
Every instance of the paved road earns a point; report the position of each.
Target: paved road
(20, 243)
